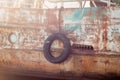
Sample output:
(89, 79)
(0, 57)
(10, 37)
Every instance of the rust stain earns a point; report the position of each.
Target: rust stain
(92, 27)
(25, 25)
(77, 64)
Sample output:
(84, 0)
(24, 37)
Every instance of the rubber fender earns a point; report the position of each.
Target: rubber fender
(47, 45)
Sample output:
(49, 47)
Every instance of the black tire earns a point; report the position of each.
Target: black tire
(47, 45)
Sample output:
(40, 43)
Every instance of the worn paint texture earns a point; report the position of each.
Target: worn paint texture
(97, 26)
(76, 66)
(25, 24)
(114, 30)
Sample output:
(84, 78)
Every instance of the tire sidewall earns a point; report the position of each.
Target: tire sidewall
(47, 45)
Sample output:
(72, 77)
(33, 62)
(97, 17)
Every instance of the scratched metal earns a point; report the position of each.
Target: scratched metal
(25, 24)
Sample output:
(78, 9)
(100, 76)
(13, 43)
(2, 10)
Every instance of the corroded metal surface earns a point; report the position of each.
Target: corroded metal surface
(76, 66)
(114, 30)
(25, 24)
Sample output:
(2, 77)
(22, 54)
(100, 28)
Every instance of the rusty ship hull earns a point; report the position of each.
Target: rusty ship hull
(25, 25)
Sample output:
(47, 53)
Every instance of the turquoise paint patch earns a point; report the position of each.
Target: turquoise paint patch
(103, 12)
(92, 17)
(79, 14)
(94, 9)
(94, 14)
(72, 27)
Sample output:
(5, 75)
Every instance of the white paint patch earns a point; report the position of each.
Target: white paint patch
(13, 38)
(74, 4)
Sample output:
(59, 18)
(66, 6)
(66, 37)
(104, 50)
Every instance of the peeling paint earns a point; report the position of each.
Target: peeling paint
(87, 26)
(25, 25)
